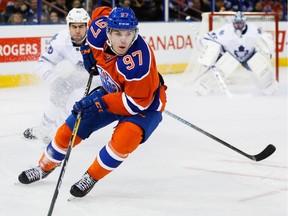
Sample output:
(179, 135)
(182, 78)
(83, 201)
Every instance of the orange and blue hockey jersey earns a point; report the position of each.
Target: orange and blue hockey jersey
(132, 80)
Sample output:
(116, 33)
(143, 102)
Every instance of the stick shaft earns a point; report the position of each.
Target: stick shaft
(221, 82)
(69, 149)
(264, 154)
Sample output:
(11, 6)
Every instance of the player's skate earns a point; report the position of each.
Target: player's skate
(28, 133)
(34, 174)
(40, 132)
(83, 186)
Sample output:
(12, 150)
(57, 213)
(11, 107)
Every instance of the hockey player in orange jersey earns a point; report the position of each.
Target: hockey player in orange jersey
(132, 93)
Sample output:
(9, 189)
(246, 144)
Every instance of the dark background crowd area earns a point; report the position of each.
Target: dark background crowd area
(15, 12)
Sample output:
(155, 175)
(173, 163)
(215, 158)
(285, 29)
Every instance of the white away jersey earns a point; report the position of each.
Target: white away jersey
(60, 49)
(240, 47)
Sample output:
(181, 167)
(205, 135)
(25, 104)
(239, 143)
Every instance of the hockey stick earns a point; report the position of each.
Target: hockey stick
(224, 87)
(269, 150)
(70, 145)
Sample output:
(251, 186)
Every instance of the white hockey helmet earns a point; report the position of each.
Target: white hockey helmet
(77, 15)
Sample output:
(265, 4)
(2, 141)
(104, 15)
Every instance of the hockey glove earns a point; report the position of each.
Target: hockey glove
(88, 59)
(90, 105)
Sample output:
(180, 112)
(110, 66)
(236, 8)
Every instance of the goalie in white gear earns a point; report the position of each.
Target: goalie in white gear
(234, 45)
(61, 68)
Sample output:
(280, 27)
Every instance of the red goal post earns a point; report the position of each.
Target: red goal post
(266, 21)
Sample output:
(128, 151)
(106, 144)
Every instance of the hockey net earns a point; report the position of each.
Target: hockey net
(267, 22)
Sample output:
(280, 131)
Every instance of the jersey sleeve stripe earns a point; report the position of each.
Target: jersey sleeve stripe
(44, 59)
(125, 103)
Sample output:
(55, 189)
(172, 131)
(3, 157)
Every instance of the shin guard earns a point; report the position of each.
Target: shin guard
(125, 139)
(56, 150)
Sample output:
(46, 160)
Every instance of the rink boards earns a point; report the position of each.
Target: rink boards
(173, 44)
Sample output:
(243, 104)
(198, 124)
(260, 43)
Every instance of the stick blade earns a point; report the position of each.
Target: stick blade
(269, 150)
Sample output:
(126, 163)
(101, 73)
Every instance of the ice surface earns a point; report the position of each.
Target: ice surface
(177, 172)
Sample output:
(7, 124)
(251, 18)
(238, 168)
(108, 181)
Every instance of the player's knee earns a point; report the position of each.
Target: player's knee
(63, 136)
(126, 137)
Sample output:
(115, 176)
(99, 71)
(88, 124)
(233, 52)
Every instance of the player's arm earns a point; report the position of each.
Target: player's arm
(96, 38)
(136, 97)
(47, 70)
(46, 65)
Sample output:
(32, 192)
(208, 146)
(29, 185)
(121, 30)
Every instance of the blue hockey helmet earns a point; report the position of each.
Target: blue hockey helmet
(122, 18)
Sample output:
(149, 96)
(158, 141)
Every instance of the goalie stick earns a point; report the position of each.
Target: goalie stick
(71, 143)
(269, 150)
(224, 87)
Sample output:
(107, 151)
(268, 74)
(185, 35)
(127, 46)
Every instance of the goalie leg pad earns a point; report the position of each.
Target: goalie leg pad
(271, 89)
(210, 54)
(226, 65)
(263, 74)
(205, 84)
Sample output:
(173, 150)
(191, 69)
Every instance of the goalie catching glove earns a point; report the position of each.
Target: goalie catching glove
(90, 105)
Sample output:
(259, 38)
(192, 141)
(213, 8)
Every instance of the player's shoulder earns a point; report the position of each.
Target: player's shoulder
(253, 28)
(96, 35)
(220, 32)
(140, 44)
(100, 12)
(136, 63)
(60, 38)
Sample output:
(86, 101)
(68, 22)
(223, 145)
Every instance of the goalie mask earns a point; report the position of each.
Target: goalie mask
(239, 23)
(121, 19)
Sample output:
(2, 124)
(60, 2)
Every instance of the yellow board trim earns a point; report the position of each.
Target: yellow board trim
(7, 81)
(171, 68)
(18, 80)
(283, 62)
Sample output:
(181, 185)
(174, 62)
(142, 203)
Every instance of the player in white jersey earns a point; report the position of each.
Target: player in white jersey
(61, 68)
(234, 44)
